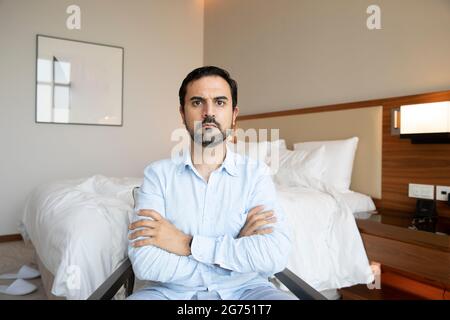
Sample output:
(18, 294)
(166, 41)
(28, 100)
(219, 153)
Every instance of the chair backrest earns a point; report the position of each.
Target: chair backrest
(135, 196)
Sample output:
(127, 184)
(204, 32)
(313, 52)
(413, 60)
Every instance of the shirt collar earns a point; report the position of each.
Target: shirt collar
(229, 163)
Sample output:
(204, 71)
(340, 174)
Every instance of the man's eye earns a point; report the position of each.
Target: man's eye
(220, 102)
(196, 103)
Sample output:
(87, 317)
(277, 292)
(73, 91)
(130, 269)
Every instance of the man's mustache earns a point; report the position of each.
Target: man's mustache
(210, 120)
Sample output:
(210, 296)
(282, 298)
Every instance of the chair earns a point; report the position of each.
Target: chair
(124, 276)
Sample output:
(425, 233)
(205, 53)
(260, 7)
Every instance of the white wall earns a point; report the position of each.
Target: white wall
(287, 54)
(163, 40)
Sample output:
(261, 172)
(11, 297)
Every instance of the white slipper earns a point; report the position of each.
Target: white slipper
(18, 288)
(25, 272)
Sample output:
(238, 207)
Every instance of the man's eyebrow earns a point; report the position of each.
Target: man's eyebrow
(203, 99)
(197, 98)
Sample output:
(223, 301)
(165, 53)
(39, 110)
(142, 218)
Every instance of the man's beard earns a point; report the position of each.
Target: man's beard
(208, 137)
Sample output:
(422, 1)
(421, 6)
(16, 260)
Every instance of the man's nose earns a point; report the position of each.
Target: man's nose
(208, 109)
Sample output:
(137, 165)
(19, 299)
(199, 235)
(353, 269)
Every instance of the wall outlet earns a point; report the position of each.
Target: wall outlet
(442, 193)
(422, 191)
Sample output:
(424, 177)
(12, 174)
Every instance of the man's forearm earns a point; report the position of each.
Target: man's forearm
(155, 230)
(155, 264)
(258, 253)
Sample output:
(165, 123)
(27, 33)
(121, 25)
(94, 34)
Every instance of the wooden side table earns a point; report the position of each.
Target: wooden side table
(414, 264)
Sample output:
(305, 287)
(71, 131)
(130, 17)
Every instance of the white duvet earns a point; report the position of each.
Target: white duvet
(328, 252)
(78, 228)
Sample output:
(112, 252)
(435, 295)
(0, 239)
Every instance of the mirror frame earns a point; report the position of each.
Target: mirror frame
(85, 42)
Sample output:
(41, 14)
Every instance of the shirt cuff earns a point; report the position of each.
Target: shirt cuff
(203, 248)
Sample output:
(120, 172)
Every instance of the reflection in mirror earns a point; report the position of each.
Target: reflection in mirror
(53, 90)
(78, 82)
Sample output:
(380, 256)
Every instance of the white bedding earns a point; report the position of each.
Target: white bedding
(78, 228)
(328, 252)
(358, 203)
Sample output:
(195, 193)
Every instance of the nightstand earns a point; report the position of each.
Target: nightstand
(414, 264)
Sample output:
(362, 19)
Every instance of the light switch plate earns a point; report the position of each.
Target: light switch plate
(421, 191)
(442, 193)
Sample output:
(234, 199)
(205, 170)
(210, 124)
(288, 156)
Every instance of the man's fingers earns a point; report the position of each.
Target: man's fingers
(150, 213)
(254, 210)
(264, 231)
(260, 216)
(142, 233)
(143, 242)
(257, 218)
(261, 223)
(143, 224)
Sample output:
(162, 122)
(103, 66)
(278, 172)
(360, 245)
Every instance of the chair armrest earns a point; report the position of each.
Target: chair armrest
(122, 276)
(298, 287)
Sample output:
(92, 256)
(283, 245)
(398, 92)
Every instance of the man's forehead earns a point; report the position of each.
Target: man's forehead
(209, 85)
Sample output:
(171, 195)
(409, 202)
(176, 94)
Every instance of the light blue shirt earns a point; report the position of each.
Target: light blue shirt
(213, 213)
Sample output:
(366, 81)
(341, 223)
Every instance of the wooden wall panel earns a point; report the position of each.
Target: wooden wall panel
(404, 162)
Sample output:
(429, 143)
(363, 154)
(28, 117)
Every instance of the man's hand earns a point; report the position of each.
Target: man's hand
(160, 233)
(257, 218)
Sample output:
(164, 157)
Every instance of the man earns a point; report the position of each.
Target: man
(208, 225)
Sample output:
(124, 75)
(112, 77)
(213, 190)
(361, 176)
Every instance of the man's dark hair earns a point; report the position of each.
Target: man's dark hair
(205, 72)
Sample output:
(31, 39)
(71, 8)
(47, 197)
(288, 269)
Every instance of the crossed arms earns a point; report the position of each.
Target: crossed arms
(166, 254)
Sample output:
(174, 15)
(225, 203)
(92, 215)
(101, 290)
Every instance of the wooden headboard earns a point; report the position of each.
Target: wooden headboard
(384, 164)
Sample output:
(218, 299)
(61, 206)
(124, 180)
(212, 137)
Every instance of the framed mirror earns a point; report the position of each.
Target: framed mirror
(78, 82)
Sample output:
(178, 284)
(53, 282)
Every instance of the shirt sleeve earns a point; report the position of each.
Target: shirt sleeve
(266, 254)
(150, 262)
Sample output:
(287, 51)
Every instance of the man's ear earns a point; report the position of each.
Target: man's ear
(235, 114)
(181, 109)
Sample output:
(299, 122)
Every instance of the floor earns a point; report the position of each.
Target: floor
(13, 255)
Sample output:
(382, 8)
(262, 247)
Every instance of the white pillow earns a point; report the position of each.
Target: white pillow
(300, 167)
(259, 150)
(338, 160)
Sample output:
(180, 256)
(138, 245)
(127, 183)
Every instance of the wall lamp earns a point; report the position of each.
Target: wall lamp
(422, 123)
